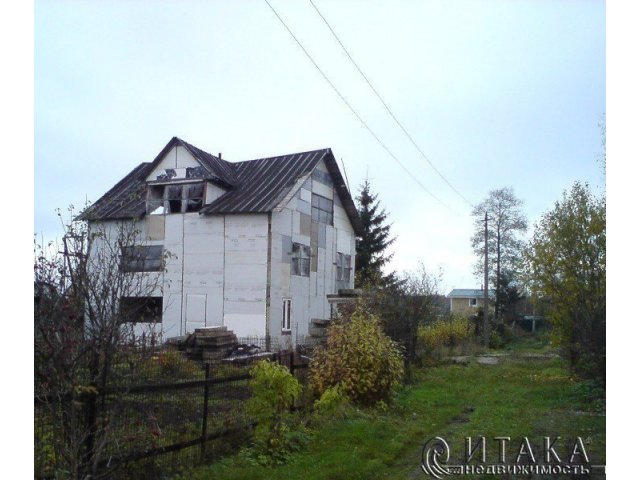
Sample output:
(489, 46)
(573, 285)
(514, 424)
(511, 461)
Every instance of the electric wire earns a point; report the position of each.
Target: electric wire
(386, 106)
(353, 111)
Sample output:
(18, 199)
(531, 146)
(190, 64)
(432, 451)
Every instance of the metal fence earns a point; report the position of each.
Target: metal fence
(151, 419)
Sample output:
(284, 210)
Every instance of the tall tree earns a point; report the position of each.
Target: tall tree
(371, 250)
(566, 266)
(505, 225)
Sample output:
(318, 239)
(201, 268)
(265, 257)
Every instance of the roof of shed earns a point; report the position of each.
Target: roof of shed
(253, 186)
(468, 293)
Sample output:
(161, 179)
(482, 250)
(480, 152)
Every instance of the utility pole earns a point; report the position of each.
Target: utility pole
(486, 281)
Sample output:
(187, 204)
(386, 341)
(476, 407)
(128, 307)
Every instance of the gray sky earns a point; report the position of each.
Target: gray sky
(496, 93)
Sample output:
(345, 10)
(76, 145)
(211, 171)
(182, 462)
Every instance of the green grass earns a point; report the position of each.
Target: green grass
(516, 398)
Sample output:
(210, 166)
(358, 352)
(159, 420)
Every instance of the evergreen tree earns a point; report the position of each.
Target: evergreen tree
(371, 254)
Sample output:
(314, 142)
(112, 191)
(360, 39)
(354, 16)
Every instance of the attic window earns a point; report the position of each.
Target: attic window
(321, 209)
(181, 198)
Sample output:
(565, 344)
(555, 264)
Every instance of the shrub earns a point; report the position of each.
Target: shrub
(360, 357)
(274, 391)
(443, 335)
(168, 364)
(332, 403)
(496, 340)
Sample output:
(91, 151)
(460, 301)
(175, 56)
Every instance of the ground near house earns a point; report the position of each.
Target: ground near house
(526, 392)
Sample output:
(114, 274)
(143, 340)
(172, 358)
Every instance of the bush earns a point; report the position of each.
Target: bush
(168, 364)
(332, 403)
(274, 391)
(442, 336)
(360, 357)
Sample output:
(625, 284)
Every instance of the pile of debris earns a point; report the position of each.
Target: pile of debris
(207, 344)
(215, 344)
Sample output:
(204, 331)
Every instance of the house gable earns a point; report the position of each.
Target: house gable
(255, 186)
(177, 159)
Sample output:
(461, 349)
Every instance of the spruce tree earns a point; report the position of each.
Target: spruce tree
(371, 250)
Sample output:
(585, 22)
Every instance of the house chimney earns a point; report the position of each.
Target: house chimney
(220, 155)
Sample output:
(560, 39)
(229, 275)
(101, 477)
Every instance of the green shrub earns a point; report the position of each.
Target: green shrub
(496, 340)
(274, 391)
(442, 336)
(360, 357)
(332, 403)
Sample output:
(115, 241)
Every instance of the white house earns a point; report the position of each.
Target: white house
(255, 245)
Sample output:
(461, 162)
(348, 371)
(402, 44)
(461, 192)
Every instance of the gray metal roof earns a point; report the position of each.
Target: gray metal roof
(264, 182)
(253, 186)
(126, 199)
(468, 293)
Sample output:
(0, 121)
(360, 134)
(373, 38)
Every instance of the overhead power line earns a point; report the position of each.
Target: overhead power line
(386, 106)
(353, 111)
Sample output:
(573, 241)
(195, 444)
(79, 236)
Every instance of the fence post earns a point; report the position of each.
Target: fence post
(291, 360)
(89, 404)
(205, 412)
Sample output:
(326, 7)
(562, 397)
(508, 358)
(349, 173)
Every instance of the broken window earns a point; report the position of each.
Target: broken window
(173, 197)
(286, 314)
(184, 198)
(194, 197)
(300, 260)
(321, 209)
(343, 268)
(141, 309)
(142, 258)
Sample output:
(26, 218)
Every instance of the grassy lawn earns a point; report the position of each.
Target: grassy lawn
(517, 397)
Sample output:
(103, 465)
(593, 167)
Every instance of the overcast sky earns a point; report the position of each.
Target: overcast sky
(496, 93)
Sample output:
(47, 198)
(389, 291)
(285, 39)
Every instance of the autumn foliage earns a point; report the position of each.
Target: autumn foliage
(360, 358)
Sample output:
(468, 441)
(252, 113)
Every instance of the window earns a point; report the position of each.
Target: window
(321, 209)
(343, 268)
(300, 260)
(141, 309)
(184, 198)
(142, 259)
(286, 314)
(322, 177)
(473, 302)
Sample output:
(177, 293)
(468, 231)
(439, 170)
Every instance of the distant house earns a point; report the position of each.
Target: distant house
(467, 300)
(256, 245)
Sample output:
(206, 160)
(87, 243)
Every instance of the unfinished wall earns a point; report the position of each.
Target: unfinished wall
(105, 254)
(293, 224)
(245, 273)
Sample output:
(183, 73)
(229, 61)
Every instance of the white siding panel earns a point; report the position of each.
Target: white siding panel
(245, 273)
(213, 192)
(305, 195)
(344, 242)
(246, 325)
(196, 311)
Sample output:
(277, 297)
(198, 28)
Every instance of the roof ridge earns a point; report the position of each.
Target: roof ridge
(227, 167)
(326, 150)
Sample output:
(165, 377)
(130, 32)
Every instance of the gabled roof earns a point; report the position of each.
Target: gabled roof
(126, 199)
(221, 171)
(469, 293)
(264, 182)
(253, 186)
